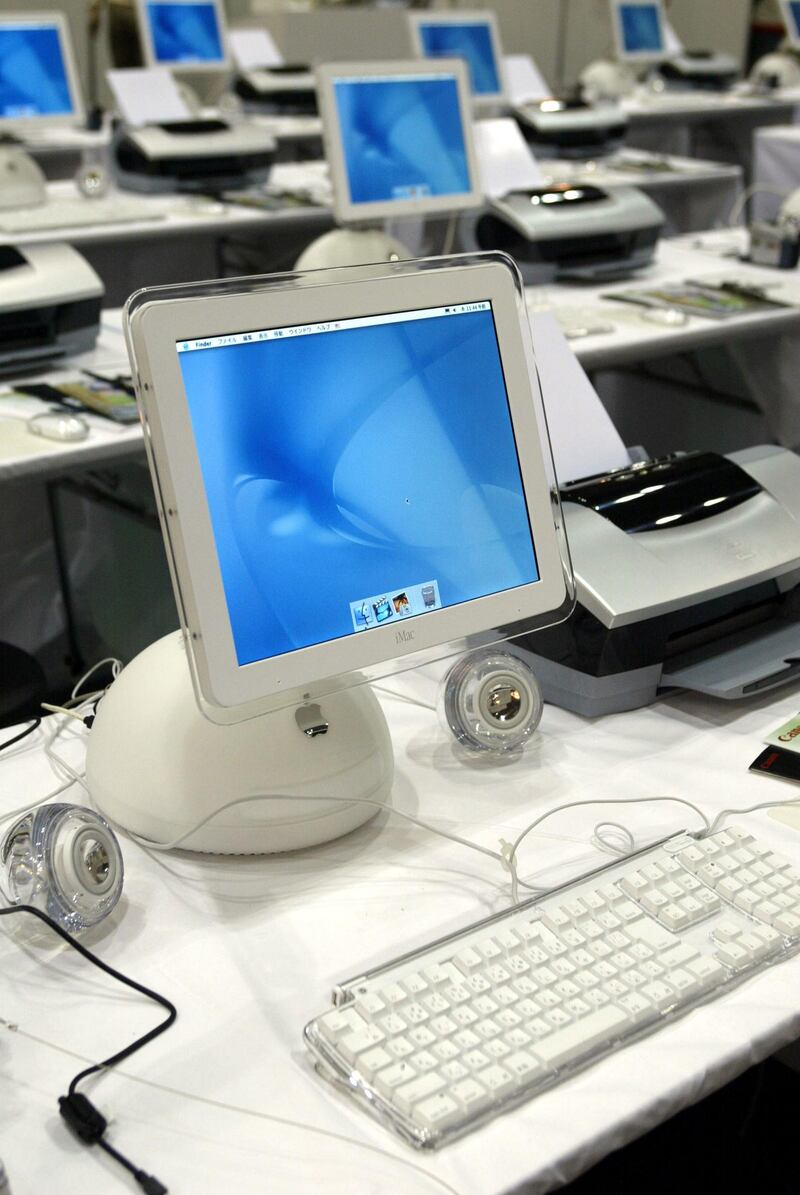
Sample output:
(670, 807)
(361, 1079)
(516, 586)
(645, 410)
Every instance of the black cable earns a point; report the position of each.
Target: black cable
(35, 724)
(85, 1121)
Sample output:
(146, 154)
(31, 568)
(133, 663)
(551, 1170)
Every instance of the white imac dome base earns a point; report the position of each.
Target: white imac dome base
(351, 247)
(156, 766)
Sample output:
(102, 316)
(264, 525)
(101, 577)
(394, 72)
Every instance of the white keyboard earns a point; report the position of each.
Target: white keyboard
(445, 1038)
(77, 213)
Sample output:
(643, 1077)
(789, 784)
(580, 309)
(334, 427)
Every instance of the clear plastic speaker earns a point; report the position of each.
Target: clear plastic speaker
(491, 701)
(64, 860)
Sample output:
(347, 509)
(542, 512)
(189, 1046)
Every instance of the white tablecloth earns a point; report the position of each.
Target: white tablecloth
(249, 948)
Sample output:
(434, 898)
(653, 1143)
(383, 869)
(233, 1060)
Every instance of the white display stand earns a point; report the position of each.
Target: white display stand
(351, 247)
(157, 767)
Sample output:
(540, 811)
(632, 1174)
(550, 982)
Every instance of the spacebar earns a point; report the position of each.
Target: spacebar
(581, 1036)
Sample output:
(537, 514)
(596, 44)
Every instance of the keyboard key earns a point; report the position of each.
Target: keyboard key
(409, 1094)
(373, 1061)
(337, 1024)
(470, 1094)
(387, 1081)
(581, 1036)
(497, 1080)
(437, 1112)
(524, 1066)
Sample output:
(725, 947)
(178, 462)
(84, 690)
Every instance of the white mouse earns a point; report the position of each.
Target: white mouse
(59, 425)
(670, 316)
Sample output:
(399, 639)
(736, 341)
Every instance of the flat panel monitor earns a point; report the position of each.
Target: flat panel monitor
(398, 138)
(639, 30)
(791, 19)
(185, 35)
(38, 79)
(355, 473)
(472, 36)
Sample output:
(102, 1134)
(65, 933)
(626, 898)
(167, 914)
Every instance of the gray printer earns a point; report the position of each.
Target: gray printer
(571, 128)
(687, 572)
(285, 89)
(573, 231)
(50, 299)
(701, 69)
(192, 155)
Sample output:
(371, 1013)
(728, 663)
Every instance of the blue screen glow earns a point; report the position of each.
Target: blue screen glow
(471, 41)
(402, 137)
(794, 12)
(185, 32)
(33, 77)
(641, 28)
(359, 476)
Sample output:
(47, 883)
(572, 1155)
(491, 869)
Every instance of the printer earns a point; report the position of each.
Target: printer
(573, 230)
(701, 69)
(289, 89)
(571, 128)
(192, 155)
(687, 573)
(50, 300)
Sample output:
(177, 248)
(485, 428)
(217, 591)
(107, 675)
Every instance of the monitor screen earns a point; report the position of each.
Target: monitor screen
(792, 17)
(184, 33)
(641, 30)
(34, 75)
(346, 486)
(402, 137)
(470, 40)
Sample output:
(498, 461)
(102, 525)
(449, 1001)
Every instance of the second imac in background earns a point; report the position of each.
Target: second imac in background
(189, 37)
(471, 36)
(398, 139)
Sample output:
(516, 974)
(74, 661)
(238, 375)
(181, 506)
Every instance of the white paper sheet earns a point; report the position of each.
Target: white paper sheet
(253, 48)
(505, 162)
(524, 80)
(147, 95)
(584, 439)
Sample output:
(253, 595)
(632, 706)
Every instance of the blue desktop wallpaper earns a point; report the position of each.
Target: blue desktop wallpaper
(472, 42)
(402, 138)
(367, 470)
(641, 29)
(33, 80)
(794, 9)
(185, 32)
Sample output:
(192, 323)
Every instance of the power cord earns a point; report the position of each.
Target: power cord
(85, 1121)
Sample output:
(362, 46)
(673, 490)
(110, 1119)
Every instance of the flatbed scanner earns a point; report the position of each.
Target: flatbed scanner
(573, 231)
(50, 299)
(192, 155)
(701, 69)
(687, 572)
(571, 128)
(285, 89)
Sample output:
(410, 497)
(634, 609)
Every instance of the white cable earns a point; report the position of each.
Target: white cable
(116, 668)
(236, 1108)
(619, 841)
(742, 200)
(425, 705)
(750, 809)
(60, 709)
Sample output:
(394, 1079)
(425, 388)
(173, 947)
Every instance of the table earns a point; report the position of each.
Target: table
(180, 243)
(776, 169)
(249, 948)
(693, 194)
(705, 124)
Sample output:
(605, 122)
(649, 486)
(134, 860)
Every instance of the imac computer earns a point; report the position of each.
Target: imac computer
(38, 78)
(329, 513)
(398, 139)
(472, 36)
(639, 31)
(189, 37)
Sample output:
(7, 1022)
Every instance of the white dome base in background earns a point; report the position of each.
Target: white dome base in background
(156, 766)
(350, 247)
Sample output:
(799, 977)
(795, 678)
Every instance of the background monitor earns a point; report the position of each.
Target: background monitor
(639, 31)
(472, 36)
(791, 19)
(38, 77)
(337, 509)
(185, 35)
(398, 139)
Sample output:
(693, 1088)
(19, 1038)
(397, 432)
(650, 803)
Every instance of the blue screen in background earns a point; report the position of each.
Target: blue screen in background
(471, 41)
(33, 77)
(641, 29)
(794, 9)
(358, 477)
(402, 138)
(185, 32)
